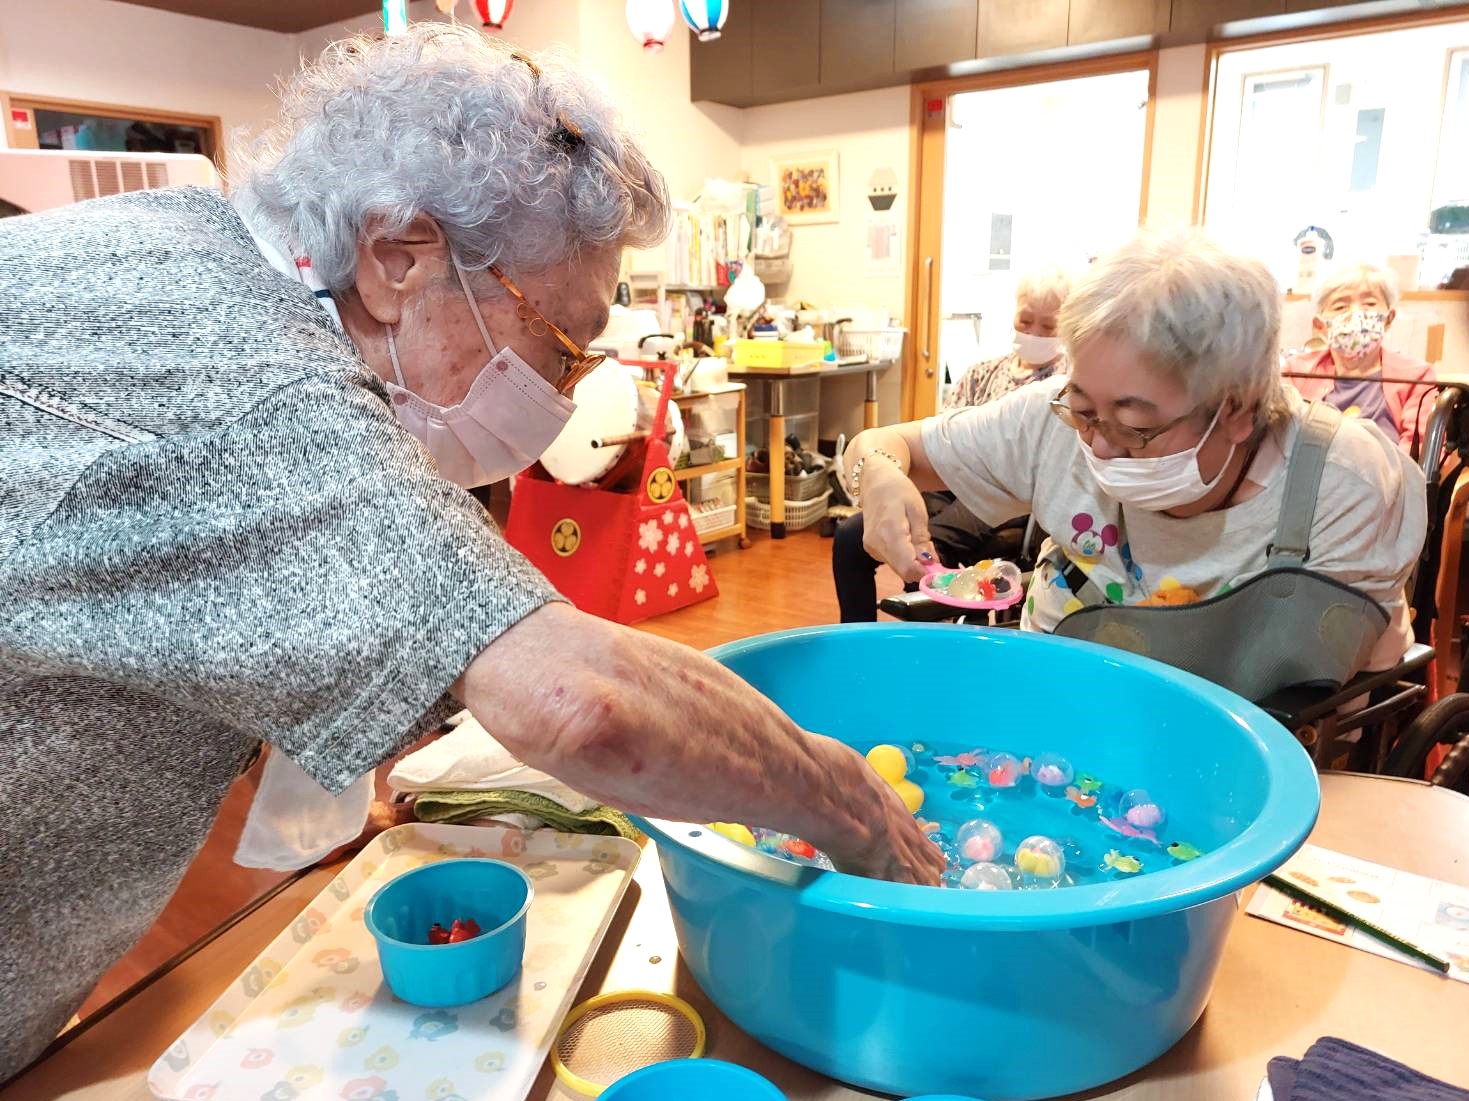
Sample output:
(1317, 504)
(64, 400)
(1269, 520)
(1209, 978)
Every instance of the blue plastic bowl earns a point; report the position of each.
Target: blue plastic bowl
(495, 894)
(1005, 995)
(692, 1080)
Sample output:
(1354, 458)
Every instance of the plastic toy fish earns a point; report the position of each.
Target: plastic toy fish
(1082, 800)
(796, 847)
(1025, 763)
(1088, 784)
(1127, 829)
(1182, 850)
(1121, 862)
(963, 779)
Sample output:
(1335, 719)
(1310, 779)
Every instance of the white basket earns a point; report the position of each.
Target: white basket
(799, 514)
(712, 516)
(878, 345)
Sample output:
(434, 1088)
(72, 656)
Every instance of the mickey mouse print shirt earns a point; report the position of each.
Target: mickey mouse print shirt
(1014, 456)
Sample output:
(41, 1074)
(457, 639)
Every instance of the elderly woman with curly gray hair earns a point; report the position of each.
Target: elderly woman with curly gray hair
(231, 431)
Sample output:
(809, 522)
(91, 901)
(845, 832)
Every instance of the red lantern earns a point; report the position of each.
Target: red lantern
(493, 13)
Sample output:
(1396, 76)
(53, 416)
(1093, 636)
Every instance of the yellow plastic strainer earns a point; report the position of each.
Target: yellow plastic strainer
(610, 1036)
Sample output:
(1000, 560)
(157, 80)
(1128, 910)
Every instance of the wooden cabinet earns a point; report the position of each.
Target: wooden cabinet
(857, 38)
(930, 33)
(1108, 20)
(1313, 5)
(721, 70)
(1196, 18)
(786, 58)
(1021, 26)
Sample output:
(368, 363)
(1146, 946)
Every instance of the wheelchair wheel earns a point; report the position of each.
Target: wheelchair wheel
(1453, 770)
(1441, 723)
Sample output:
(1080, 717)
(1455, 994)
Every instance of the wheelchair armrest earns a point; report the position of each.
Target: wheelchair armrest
(1298, 704)
(917, 608)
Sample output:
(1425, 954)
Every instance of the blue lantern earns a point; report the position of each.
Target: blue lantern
(395, 16)
(704, 17)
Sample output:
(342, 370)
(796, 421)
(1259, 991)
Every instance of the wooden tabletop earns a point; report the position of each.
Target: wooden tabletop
(815, 369)
(1278, 990)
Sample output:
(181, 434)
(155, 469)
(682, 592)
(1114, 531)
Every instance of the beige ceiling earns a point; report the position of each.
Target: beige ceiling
(289, 16)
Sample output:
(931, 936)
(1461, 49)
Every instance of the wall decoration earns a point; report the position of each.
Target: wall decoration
(882, 189)
(494, 13)
(650, 22)
(807, 188)
(705, 17)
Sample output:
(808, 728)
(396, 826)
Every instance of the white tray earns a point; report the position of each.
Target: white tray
(311, 1018)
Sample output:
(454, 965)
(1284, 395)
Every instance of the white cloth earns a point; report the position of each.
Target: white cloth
(1014, 456)
(294, 821)
(470, 759)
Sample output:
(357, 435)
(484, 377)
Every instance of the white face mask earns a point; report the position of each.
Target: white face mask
(507, 419)
(1036, 351)
(1156, 485)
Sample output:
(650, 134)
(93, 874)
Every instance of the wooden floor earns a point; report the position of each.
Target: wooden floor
(771, 585)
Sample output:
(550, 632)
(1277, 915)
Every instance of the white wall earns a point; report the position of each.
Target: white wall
(139, 57)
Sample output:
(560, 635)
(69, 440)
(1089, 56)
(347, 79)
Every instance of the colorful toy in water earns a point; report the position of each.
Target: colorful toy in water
(893, 763)
(1004, 770)
(1088, 784)
(975, 758)
(979, 841)
(460, 930)
(1183, 851)
(1122, 862)
(734, 831)
(798, 848)
(1040, 862)
(963, 779)
(1080, 798)
(1140, 810)
(986, 877)
(1119, 824)
(1052, 772)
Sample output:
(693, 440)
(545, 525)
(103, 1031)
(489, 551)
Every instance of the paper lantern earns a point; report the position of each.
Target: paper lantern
(650, 22)
(395, 16)
(705, 17)
(493, 13)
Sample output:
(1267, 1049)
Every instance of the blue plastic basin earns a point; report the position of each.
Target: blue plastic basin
(495, 894)
(1002, 995)
(692, 1080)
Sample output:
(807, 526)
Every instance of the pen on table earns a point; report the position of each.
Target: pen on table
(1356, 921)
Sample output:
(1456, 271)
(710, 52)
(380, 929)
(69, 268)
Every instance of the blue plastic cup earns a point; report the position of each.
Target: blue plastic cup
(494, 894)
(692, 1080)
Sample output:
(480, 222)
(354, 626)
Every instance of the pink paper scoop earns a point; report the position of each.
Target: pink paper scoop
(1005, 572)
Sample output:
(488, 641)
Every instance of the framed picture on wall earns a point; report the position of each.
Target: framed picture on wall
(807, 188)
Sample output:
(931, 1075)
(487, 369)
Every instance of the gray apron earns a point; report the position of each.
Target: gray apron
(1286, 626)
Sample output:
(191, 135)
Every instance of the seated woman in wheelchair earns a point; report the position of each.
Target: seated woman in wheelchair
(959, 537)
(1355, 308)
(1166, 469)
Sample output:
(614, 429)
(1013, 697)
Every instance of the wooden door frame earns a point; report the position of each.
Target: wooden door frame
(923, 255)
(210, 124)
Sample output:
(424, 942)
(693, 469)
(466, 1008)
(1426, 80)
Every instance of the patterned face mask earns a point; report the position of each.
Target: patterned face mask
(1357, 334)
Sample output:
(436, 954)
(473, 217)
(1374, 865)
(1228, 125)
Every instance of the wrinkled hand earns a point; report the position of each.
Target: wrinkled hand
(894, 520)
(894, 846)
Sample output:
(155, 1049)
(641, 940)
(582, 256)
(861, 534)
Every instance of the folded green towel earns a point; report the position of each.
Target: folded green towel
(465, 806)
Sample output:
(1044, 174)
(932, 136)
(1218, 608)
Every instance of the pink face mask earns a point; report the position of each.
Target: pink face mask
(503, 424)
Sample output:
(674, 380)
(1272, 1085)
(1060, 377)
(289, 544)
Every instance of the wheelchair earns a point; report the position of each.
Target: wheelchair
(1395, 721)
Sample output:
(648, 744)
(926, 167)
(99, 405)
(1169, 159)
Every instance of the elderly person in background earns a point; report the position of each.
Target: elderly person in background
(1158, 464)
(230, 512)
(960, 537)
(1354, 308)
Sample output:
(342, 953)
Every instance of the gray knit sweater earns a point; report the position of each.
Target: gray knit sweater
(212, 531)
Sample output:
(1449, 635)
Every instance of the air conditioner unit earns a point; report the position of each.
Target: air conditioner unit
(39, 179)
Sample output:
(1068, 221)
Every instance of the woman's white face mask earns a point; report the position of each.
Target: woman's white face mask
(1157, 484)
(503, 424)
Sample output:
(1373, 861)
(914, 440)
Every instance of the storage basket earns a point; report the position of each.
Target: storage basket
(799, 514)
(712, 516)
(799, 487)
(877, 345)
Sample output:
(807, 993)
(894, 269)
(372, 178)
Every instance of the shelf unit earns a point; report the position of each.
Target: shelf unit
(735, 463)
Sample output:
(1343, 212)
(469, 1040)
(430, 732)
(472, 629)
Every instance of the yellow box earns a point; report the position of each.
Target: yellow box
(754, 354)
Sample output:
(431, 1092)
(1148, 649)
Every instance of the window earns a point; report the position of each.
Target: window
(1343, 134)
